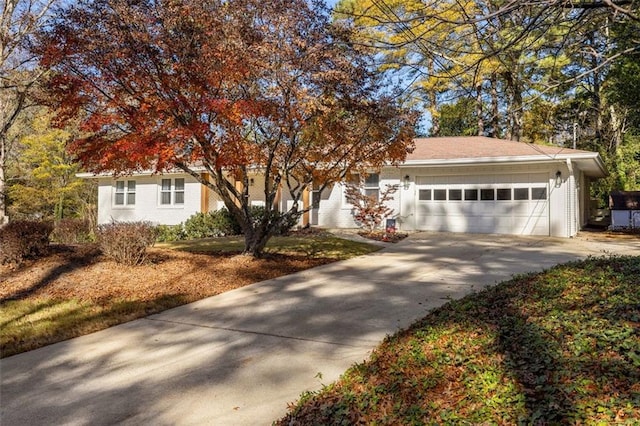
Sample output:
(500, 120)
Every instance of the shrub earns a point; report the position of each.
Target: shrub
(168, 233)
(286, 223)
(72, 231)
(24, 239)
(212, 224)
(369, 211)
(126, 242)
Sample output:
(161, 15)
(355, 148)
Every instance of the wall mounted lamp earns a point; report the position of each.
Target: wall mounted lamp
(406, 181)
(558, 179)
(251, 182)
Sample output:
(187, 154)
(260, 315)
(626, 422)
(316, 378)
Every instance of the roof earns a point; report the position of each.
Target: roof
(624, 200)
(481, 149)
(477, 150)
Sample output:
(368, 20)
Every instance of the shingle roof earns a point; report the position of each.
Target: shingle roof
(460, 147)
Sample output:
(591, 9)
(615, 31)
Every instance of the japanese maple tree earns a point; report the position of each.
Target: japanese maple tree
(233, 87)
(370, 210)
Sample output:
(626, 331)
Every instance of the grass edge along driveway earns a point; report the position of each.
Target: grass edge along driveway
(557, 347)
(66, 295)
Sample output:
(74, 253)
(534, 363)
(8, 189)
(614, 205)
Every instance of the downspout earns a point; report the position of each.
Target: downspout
(571, 199)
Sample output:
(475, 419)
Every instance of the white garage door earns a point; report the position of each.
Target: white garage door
(500, 204)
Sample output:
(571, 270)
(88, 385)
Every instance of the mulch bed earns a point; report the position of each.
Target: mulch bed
(82, 272)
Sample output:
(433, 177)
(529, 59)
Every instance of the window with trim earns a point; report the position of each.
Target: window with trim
(455, 195)
(487, 194)
(372, 186)
(440, 194)
(172, 192)
(316, 195)
(470, 194)
(369, 187)
(125, 193)
(424, 195)
(520, 194)
(503, 194)
(539, 193)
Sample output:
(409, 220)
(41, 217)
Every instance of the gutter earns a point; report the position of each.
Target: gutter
(519, 159)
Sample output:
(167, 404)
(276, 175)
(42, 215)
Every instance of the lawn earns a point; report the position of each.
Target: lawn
(75, 290)
(558, 347)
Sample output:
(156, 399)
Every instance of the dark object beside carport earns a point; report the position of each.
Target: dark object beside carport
(625, 209)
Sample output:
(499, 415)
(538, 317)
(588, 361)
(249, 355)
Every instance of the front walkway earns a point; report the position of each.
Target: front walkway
(240, 357)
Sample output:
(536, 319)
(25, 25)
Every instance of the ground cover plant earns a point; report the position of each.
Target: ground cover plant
(558, 347)
(76, 290)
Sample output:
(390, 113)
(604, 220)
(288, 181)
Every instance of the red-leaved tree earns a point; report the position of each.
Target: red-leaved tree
(233, 86)
(370, 210)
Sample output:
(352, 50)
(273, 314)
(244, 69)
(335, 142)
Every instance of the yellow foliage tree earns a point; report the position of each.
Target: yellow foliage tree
(43, 184)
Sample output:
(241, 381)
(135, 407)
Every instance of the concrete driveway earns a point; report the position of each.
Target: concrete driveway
(240, 357)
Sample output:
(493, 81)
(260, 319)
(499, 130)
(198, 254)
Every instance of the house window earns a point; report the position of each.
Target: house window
(125, 194)
(538, 193)
(172, 191)
(424, 195)
(521, 194)
(369, 187)
(372, 186)
(455, 194)
(487, 194)
(471, 194)
(503, 194)
(316, 195)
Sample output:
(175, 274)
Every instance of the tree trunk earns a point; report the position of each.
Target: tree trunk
(435, 115)
(514, 109)
(255, 242)
(479, 109)
(495, 108)
(517, 114)
(3, 205)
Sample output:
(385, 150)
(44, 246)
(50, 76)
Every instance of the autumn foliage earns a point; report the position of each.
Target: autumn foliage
(223, 86)
(370, 210)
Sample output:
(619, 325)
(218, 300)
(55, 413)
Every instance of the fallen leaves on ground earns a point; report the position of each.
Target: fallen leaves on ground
(81, 272)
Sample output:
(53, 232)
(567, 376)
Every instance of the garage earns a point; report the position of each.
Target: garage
(493, 203)
(487, 185)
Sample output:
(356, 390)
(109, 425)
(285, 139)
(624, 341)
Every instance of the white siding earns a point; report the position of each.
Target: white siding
(335, 212)
(147, 205)
(561, 214)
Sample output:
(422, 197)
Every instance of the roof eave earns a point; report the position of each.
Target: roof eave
(524, 159)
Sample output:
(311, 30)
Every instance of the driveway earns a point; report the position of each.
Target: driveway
(240, 357)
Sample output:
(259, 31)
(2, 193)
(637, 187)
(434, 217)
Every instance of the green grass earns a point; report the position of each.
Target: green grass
(313, 245)
(558, 347)
(35, 322)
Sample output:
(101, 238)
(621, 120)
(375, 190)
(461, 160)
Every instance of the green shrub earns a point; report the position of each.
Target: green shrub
(286, 225)
(212, 224)
(167, 233)
(24, 239)
(126, 242)
(72, 231)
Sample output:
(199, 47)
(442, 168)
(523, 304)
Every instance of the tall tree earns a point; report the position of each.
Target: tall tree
(459, 118)
(44, 183)
(233, 86)
(502, 53)
(19, 20)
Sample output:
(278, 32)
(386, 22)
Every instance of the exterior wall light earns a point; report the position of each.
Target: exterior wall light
(558, 179)
(406, 180)
(251, 182)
